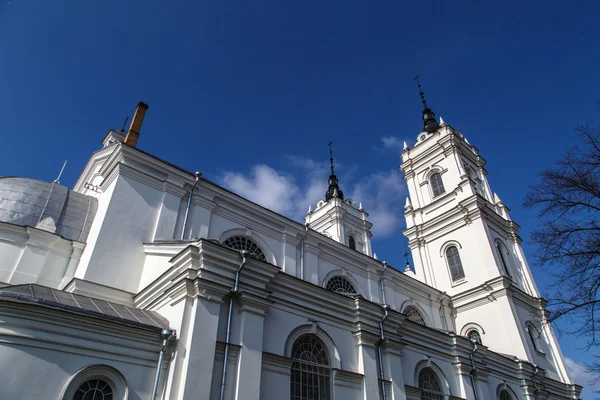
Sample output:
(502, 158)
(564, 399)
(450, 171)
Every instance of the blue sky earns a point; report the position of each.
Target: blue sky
(249, 93)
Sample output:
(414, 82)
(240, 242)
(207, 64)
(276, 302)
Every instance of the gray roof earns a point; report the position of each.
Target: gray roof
(76, 303)
(48, 206)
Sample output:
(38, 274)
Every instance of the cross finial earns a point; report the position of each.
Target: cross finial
(331, 156)
(416, 78)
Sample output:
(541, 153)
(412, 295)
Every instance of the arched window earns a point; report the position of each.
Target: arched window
(94, 389)
(502, 252)
(311, 370)
(97, 382)
(504, 395)
(412, 314)
(437, 185)
(534, 334)
(351, 243)
(339, 284)
(474, 336)
(243, 243)
(456, 270)
(430, 385)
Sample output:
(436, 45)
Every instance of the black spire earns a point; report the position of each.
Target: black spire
(429, 122)
(334, 189)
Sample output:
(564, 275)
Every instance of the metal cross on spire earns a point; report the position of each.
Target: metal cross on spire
(331, 156)
(416, 78)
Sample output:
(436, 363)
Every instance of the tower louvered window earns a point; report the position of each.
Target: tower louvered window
(429, 383)
(502, 253)
(454, 263)
(437, 185)
(243, 243)
(412, 314)
(311, 370)
(339, 284)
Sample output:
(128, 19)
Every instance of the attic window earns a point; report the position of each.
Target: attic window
(243, 243)
(339, 284)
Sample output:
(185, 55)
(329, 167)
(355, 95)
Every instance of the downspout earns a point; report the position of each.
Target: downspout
(234, 291)
(167, 335)
(382, 332)
(302, 252)
(189, 204)
(537, 371)
(380, 352)
(474, 369)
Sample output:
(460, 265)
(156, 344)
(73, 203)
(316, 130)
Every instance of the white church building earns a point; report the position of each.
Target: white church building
(147, 281)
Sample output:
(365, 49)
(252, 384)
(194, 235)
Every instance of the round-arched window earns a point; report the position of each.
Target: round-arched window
(504, 395)
(474, 336)
(351, 243)
(454, 263)
(243, 243)
(311, 369)
(430, 385)
(94, 389)
(412, 314)
(339, 284)
(437, 185)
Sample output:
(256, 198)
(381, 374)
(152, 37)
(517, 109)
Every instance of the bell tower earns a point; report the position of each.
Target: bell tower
(464, 243)
(341, 219)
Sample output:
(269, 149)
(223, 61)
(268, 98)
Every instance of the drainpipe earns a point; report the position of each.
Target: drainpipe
(474, 369)
(379, 351)
(385, 265)
(537, 371)
(385, 308)
(234, 291)
(189, 204)
(302, 252)
(167, 335)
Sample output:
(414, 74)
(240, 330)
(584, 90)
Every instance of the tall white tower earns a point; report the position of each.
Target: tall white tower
(341, 219)
(464, 243)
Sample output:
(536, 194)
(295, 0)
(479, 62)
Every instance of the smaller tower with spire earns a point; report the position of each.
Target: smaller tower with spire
(341, 219)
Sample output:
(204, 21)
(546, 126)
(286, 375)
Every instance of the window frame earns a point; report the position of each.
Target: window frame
(351, 242)
(260, 255)
(428, 394)
(301, 366)
(502, 252)
(453, 279)
(439, 183)
(419, 312)
(104, 372)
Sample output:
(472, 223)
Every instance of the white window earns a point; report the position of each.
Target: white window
(429, 383)
(98, 382)
(412, 314)
(503, 253)
(339, 284)
(311, 369)
(534, 335)
(437, 185)
(456, 269)
(243, 243)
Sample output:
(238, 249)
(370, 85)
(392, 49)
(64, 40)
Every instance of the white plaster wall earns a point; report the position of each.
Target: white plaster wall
(42, 373)
(115, 255)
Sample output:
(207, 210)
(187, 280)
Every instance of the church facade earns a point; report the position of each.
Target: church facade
(147, 281)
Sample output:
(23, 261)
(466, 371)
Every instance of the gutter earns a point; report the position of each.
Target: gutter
(233, 292)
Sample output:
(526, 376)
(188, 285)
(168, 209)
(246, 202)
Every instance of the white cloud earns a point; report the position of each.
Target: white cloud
(579, 374)
(392, 142)
(381, 193)
(266, 187)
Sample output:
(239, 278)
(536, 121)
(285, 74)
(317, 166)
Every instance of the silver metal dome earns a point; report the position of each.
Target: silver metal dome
(48, 206)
